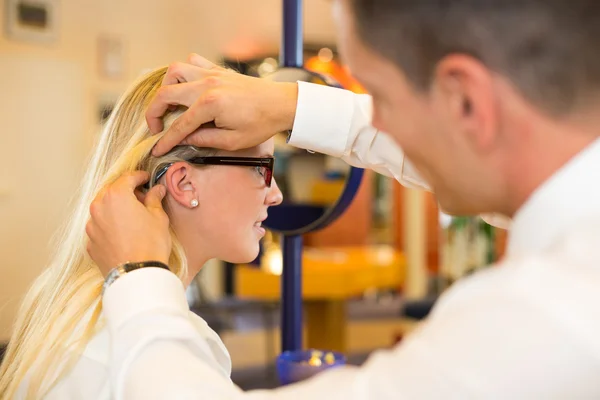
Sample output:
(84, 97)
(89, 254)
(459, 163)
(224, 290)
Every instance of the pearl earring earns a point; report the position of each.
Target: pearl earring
(194, 203)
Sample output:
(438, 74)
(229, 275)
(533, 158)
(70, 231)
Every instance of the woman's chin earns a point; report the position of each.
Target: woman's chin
(243, 256)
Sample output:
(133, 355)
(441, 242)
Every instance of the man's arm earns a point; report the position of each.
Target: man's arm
(323, 119)
(158, 354)
(338, 123)
(478, 343)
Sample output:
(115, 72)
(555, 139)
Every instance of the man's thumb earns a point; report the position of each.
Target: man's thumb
(155, 196)
(216, 138)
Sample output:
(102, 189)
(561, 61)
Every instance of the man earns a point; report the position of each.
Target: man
(494, 102)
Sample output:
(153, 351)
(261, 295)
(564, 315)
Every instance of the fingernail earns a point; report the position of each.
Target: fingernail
(163, 191)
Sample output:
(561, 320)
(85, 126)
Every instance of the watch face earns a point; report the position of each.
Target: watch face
(112, 276)
(121, 270)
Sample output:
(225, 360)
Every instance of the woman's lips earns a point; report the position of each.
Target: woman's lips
(259, 228)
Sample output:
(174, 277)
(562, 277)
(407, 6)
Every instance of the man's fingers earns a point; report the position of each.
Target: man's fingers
(154, 197)
(217, 138)
(129, 181)
(196, 68)
(141, 196)
(89, 229)
(184, 94)
(199, 61)
(185, 72)
(155, 124)
(90, 250)
(204, 111)
(99, 196)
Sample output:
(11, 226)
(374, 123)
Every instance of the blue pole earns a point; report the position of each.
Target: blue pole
(291, 289)
(292, 47)
(292, 41)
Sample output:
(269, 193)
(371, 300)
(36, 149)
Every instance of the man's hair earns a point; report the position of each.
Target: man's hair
(549, 49)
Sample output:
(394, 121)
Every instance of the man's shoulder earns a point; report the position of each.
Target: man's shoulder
(565, 276)
(531, 320)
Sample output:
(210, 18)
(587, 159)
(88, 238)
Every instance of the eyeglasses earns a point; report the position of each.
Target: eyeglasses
(264, 165)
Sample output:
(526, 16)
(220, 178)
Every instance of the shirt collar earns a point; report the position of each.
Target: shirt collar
(568, 197)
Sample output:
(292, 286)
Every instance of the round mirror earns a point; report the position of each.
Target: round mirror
(317, 188)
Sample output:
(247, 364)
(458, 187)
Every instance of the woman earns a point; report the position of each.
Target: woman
(216, 202)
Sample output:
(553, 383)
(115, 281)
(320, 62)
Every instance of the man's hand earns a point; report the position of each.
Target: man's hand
(126, 226)
(226, 110)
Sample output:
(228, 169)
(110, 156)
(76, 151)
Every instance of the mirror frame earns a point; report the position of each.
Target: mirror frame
(279, 221)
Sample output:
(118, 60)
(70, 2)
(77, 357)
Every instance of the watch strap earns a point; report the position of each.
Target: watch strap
(125, 268)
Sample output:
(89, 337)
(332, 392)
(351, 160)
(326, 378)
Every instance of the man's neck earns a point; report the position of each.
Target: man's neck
(541, 161)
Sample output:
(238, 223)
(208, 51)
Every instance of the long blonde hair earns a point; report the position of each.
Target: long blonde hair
(45, 343)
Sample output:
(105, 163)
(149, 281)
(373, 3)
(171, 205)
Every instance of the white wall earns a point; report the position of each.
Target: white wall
(48, 115)
(243, 27)
(41, 156)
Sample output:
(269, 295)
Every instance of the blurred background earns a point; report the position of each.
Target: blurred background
(369, 278)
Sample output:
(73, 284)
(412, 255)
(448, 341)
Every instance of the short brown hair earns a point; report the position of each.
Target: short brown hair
(549, 49)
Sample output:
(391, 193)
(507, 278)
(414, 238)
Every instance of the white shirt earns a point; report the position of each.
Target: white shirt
(528, 328)
(89, 377)
(338, 123)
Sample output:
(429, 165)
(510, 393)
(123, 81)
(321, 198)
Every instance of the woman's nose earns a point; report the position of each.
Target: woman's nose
(274, 196)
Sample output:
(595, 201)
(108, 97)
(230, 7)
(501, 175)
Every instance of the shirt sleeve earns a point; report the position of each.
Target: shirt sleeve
(479, 342)
(337, 122)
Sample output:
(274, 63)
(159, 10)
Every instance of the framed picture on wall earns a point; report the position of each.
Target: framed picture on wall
(32, 20)
(111, 55)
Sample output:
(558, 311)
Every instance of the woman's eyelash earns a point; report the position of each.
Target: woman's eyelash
(260, 171)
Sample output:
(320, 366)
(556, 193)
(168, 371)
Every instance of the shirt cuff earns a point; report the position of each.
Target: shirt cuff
(143, 291)
(411, 178)
(323, 119)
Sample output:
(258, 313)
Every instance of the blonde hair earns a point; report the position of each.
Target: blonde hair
(46, 343)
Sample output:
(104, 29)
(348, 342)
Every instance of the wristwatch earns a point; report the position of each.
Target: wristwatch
(123, 269)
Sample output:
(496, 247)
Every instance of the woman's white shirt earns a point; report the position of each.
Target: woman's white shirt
(89, 379)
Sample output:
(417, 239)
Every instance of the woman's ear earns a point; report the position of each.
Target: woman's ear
(180, 184)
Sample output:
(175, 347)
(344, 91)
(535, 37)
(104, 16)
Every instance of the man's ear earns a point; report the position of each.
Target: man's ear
(180, 184)
(466, 87)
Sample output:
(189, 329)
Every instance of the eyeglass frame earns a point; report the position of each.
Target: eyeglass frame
(267, 162)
